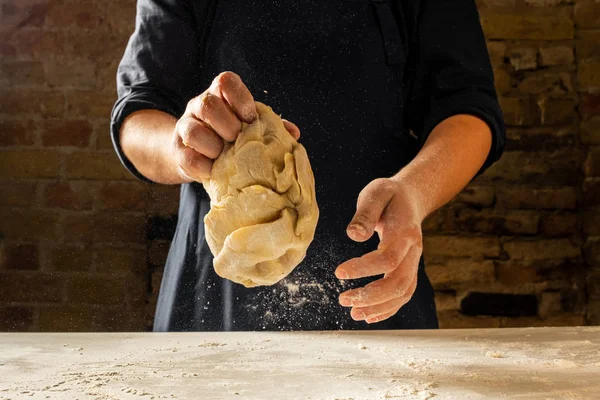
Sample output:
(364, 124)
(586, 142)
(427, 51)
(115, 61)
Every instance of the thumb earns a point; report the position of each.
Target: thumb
(371, 203)
(291, 128)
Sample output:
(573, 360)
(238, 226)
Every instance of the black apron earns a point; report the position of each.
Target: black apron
(336, 69)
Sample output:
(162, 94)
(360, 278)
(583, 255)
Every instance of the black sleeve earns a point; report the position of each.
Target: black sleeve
(159, 69)
(451, 72)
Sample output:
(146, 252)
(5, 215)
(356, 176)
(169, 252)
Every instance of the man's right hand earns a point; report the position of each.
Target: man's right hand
(209, 119)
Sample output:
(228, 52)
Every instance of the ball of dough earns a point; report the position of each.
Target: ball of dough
(263, 211)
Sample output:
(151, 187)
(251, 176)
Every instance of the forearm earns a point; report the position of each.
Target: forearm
(453, 153)
(146, 137)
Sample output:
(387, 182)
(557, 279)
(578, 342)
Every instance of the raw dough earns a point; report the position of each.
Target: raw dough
(263, 208)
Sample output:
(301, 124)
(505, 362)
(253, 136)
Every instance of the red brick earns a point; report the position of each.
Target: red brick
(106, 77)
(546, 82)
(38, 43)
(95, 165)
(121, 16)
(541, 168)
(90, 103)
(29, 164)
(77, 73)
(120, 261)
(519, 111)
(589, 105)
(591, 166)
(588, 44)
(456, 320)
(461, 273)
(542, 249)
(590, 131)
(136, 292)
(550, 304)
(591, 221)
(15, 133)
(104, 139)
(515, 222)
(30, 288)
(95, 290)
(588, 75)
(132, 196)
(591, 192)
(69, 195)
(554, 225)
(445, 301)
(531, 198)
(72, 15)
(17, 194)
(109, 228)
(558, 111)
(101, 48)
(502, 80)
(540, 139)
(28, 224)
(75, 133)
(587, 14)
(69, 258)
(441, 220)
(558, 26)
(497, 51)
(593, 284)
(164, 199)
(455, 246)
(557, 55)
(22, 73)
(20, 257)
(555, 320)
(14, 12)
(16, 318)
(552, 274)
(548, 3)
(86, 318)
(591, 251)
(593, 314)
(157, 252)
(32, 102)
(479, 196)
(522, 58)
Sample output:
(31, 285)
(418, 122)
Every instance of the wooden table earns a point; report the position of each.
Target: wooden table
(530, 363)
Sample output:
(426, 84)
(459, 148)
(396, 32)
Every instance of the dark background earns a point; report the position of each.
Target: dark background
(83, 243)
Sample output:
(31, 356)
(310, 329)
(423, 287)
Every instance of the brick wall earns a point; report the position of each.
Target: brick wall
(83, 243)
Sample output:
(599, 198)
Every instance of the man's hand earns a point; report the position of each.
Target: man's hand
(388, 207)
(209, 119)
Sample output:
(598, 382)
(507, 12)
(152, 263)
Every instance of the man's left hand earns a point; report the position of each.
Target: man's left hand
(388, 207)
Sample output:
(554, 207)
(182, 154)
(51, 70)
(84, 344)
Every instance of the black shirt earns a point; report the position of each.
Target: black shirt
(365, 80)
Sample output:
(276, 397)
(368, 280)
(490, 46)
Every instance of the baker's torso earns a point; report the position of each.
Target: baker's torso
(336, 69)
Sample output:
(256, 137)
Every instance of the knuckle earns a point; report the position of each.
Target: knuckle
(365, 220)
(388, 261)
(208, 102)
(185, 131)
(226, 78)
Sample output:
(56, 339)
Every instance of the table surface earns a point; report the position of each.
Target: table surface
(528, 363)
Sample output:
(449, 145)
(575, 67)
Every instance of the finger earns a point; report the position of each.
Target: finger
(391, 286)
(212, 109)
(292, 129)
(229, 86)
(194, 165)
(387, 309)
(381, 261)
(364, 313)
(198, 136)
(370, 205)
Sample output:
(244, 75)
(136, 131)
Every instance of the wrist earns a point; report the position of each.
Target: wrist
(416, 193)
